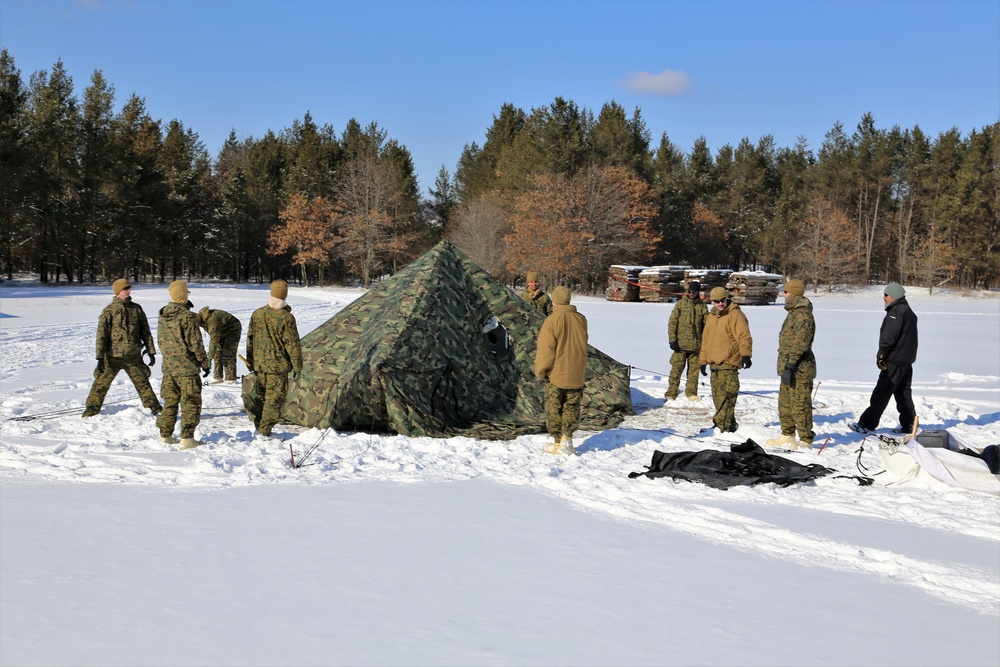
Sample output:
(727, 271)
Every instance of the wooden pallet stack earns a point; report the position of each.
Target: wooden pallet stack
(708, 278)
(623, 282)
(754, 288)
(662, 283)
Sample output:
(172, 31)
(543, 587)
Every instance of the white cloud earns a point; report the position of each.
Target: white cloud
(667, 82)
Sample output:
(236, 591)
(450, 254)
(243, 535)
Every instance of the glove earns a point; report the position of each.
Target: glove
(100, 366)
(675, 346)
(788, 375)
(294, 375)
(152, 359)
(881, 363)
(747, 363)
(703, 369)
(206, 367)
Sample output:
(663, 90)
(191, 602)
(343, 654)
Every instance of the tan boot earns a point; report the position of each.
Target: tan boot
(190, 443)
(168, 439)
(781, 441)
(552, 447)
(803, 445)
(566, 445)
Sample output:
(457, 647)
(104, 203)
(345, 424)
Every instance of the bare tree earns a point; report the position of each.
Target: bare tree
(479, 228)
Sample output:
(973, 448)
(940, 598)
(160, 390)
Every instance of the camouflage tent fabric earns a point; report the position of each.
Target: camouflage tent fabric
(421, 355)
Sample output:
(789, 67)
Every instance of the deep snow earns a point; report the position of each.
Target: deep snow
(118, 550)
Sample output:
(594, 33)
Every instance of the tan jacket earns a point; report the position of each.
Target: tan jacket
(562, 348)
(726, 338)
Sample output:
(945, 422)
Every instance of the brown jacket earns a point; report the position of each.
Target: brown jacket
(726, 338)
(562, 348)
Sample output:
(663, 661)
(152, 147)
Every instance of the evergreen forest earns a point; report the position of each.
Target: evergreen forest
(89, 194)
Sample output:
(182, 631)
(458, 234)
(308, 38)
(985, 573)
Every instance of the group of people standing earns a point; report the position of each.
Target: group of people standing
(701, 336)
(124, 336)
(718, 337)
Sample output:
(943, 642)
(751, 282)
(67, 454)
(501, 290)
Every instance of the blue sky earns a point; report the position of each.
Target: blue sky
(434, 74)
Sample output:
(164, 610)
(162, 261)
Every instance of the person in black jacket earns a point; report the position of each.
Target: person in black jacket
(897, 350)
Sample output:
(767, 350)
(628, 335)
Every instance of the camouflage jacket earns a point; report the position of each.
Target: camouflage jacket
(796, 337)
(562, 348)
(180, 341)
(726, 338)
(273, 341)
(540, 300)
(122, 330)
(687, 322)
(220, 326)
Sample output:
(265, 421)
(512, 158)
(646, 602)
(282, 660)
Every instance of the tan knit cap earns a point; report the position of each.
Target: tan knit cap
(560, 296)
(119, 285)
(279, 289)
(178, 291)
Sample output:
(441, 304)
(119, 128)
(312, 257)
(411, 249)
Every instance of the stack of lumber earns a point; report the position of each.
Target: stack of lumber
(708, 278)
(623, 282)
(662, 283)
(754, 288)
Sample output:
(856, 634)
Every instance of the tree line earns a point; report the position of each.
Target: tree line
(88, 194)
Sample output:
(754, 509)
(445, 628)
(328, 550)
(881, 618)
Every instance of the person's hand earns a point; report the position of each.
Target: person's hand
(100, 366)
(206, 367)
(703, 369)
(788, 375)
(881, 363)
(675, 346)
(294, 375)
(152, 359)
(747, 363)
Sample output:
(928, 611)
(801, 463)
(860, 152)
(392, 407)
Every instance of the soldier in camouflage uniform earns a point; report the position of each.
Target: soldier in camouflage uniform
(183, 356)
(561, 359)
(535, 296)
(122, 331)
(726, 346)
(687, 321)
(274, 354)
(224, 331)
(797, 368)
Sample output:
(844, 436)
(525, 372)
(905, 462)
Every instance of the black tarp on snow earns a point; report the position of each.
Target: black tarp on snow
(743, 465)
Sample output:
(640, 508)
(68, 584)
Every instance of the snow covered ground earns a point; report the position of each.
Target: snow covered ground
(116, 549)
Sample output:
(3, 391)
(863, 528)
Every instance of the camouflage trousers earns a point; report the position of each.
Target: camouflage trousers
(137, 371)
(678, 360)
(272, 388)
(725, 389)
(795, 410)
(562, 410)
(224, 361)
(183, 391)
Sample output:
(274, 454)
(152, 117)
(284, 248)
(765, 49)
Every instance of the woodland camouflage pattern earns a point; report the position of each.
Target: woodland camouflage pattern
(795, 347)
(224, 331)
(539, 299)
(122, 331)
(183, 358)
(410, 357)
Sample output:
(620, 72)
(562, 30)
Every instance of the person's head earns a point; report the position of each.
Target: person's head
(560, 296)
(122, 288)
(794, 290)
(279, 289)
(532, 279)
(719, 297)
(893, 292)
(178, 291)
(694, 289)
(203, 317)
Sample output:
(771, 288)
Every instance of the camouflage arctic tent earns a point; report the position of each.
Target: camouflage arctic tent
(439, 349)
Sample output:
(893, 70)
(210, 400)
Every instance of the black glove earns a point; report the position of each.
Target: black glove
(152, 359)
(100, 366)
(675, 346)
(881, 363)
(703, 369)
(746, 362)
(788, 375)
